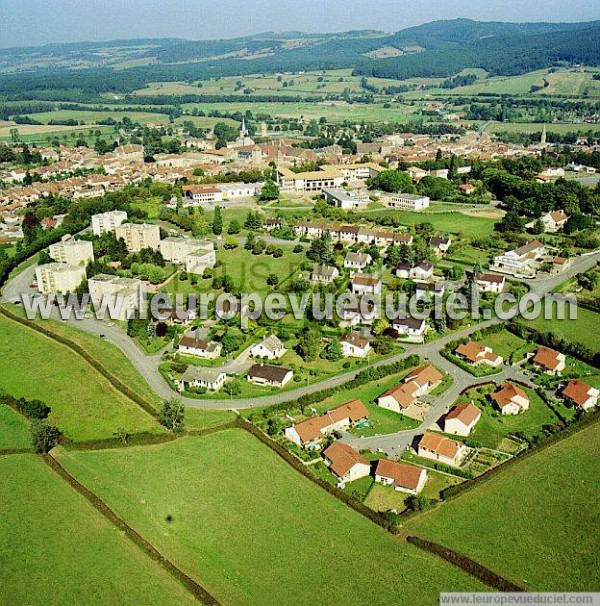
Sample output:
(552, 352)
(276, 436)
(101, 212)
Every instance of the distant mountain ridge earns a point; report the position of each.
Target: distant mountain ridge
(437, 49)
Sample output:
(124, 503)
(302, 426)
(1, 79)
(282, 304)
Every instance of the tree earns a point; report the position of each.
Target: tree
(250, 240)
(44, 436)
(270, 191)
(272, 280)
(217, 224)
(232, 388)
(321, 249)
(383, 345)
(510, 222)
(538, 227)
(392, 181)
(333, 352)
(172, 415)
(230, 243)
(309, 344)
(234, 227)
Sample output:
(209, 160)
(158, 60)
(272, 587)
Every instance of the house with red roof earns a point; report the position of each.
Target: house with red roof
(476, 354)
(549, 361)
(582, 395)
(345, 463)
(510, 399)
(402, 476)
(461, 420)
(442, 449)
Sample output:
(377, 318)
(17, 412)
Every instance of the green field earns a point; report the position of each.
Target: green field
(534, 523)
(14, 429)
(55, 548)
(84, 404)
(584, 329)
(251, 530)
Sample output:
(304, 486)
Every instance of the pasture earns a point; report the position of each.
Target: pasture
(56, 546)
(14, 429)
(533, 523)
(251, 530)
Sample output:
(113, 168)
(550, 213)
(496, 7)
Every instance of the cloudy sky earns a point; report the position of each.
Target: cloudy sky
(34, 22)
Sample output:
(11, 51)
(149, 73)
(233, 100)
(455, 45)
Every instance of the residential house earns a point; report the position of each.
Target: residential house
(489, 282)
(466, 188)
(357, 260)
(268, 375)
(403, 398)
(461, 420)
(524, 260)
(416, 271)
(345, 463)
(211, 379)
(440, 245)
(310, 432)
(365, 285)
(271, 348)
(353, 314)
(355, 345)
(402, 476)
(549, 361)
(553, 221)
(442, 449)
(560, 264)
(476, 354)
(324, 274)
(193, 344)
(425, 290)
(510, 399)
(581, 394)
(409, 328)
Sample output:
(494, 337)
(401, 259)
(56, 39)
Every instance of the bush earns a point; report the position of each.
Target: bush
(32, 409)
(44, 436)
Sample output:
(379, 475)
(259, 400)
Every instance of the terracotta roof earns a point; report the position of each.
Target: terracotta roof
(507, 393)
(578, 391)
(343, 458)
(403, 475)
(471, 350)
(311, 429)
(548, 358)
(425, 374)
(465, 413)
(439, 445)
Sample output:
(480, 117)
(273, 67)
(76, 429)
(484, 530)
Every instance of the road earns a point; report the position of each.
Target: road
(147, 365)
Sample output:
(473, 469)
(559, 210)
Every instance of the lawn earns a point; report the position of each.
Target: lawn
(54, 546)
(505, 344)
(84, 404)
(535, 523)
(583, 330)
(236, 518)
(14, 429)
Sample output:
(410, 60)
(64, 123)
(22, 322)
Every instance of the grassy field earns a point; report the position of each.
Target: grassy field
(84, 404)
(14, 429)
(240, 521)
(54, 545)
(582, 330)
(534, 523)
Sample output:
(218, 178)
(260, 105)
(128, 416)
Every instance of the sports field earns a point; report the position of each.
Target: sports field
(249, 528)
(55, 548)
(534, 523)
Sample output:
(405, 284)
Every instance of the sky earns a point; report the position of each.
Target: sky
(36, 22)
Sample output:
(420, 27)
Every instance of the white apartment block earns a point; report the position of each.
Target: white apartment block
(139, 235)
(59, 277)
(72, 252)
(412, 202)
(175, 250)
(201, 258)
(310, 181)
(109, 221)
(122, 294)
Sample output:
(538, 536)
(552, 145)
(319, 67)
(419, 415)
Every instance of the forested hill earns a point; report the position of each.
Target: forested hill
(441, 49)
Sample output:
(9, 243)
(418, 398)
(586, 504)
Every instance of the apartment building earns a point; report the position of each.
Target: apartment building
(59, 277)
(309, 181)
(412, 202)
(175, 250)
(121, 294)
(139, 235)
(109, 221)
(71, 251)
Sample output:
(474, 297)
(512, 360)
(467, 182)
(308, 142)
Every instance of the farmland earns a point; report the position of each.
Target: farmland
(55, 546)
(531, 508)
(193, 496)
(84, 404)
(14, 430)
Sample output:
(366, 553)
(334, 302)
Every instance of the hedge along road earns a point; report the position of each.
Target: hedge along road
(147, 366)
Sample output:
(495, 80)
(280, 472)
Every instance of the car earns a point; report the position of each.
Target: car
(33, 286)
(109, 324)
(17, 302)
(102, 335)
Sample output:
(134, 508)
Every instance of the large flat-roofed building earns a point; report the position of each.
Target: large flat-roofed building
(201, 258)
(346, 199)
(175, 250)
(71, 251)
(138, 236)
(105, 222)
(310, 181)
(124, 294)
(59, 277)
(231, 191)
(196, 194)
(413, 202)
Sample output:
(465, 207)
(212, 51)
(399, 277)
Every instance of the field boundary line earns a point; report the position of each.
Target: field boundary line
(192, 586)
(117, 383)
(466, 564)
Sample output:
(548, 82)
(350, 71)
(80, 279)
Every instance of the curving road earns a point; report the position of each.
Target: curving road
(147, 365)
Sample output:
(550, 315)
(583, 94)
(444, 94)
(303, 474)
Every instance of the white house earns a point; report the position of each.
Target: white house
(193, 345)
(553, 221)
(362, 284)
(440, 245)
(271, 376)
(199, 376)
(581, 394)
(524, 260)
(549, 361)
(357, 260)
(402, 476)
(510, 399)
(439, 448)
(477, 354)
(271, 348)
(461, 420)
(354, 345)
(490, 282)
(324, 274)
(409, 328)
